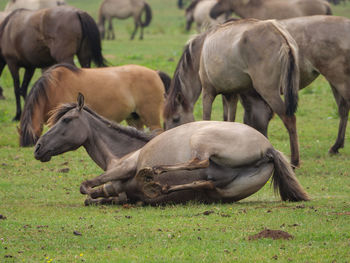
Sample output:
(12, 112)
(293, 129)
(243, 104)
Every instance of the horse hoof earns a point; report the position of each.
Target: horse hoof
(145, 174)
(84, 189)
(16, 118)
(333, 151)
(152, 190)
(88, 201)
(158, 170)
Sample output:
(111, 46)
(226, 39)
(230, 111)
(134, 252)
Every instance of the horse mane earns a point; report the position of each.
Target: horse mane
(57, 113)
(192, 5)
(37, 93)
(184, 64)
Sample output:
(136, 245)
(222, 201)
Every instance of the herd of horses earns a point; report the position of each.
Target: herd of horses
(247, 60)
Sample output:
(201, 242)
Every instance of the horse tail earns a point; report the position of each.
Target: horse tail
(34, 102)
(6, 20)
(290, 75)
(329, 10)
(148, 12)
(91, 33)
(284, 179)
(166, 79)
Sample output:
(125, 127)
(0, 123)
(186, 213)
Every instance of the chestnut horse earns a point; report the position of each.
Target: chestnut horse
(234, 58)
(132, 93)
(207, 161)
(39, 39)
(268, 9)
(123, 9)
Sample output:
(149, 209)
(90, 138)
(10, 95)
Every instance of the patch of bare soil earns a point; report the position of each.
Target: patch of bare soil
(269, 233)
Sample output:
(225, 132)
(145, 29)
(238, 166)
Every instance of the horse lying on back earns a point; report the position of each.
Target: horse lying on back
(132, 93)
(204, 161)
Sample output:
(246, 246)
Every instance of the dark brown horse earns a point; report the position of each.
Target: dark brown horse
(39, 39)
(205, 161)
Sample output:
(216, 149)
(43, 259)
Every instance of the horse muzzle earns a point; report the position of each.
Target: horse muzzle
(41, 155)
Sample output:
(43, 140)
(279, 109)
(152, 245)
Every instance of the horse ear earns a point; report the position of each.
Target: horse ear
(80, 101)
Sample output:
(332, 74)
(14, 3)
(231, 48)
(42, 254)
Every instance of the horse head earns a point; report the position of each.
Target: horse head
(69, 132)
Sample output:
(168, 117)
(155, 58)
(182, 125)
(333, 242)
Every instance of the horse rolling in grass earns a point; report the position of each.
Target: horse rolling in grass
(123, 9)
(271, 9)
(234, 58)
(132, 93)
(204, 161)
(39, 39)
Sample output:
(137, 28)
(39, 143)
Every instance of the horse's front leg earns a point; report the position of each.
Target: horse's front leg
(28, 74)
(124, 170)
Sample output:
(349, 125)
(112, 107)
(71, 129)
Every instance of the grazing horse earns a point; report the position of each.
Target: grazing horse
(198, 11)
(39, 39)
(268, 9)
(234, 58)
(123, 9)
(204, 161)
(132, 93)
(32, 4)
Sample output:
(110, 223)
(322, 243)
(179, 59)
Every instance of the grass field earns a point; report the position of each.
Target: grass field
(43, 206)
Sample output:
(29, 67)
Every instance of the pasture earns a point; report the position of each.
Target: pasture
(46, 220)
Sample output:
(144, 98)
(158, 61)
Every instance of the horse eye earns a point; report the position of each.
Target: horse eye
(66, 120)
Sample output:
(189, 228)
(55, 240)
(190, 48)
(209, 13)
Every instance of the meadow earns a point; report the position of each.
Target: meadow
(43, 219)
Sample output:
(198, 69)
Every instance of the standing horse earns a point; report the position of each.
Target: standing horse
(323, 49)
(206, 161)
(234, 58)
(123, 9)
(268, 9)
(32, 4)
(198, 11)
(39, 39)
(132, 93)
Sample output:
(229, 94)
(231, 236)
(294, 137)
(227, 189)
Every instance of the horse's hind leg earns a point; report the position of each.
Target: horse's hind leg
(195, 163)
(343, 109)
(230, 106)
(110, 30)
(196, 185)
(15, 76)
(136, 26)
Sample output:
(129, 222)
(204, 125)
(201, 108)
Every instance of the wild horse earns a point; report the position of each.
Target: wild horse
(271, 9)
(253, 55)
(123, 9)
(205, 161)
(39, 39)
(130, 92)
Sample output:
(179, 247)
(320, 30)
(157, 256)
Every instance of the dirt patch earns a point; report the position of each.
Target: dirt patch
(3, 217)
(269, 233)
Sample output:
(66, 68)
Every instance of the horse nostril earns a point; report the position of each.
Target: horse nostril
(37, 147)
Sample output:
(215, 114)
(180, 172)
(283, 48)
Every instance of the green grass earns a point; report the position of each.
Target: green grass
(43, 206)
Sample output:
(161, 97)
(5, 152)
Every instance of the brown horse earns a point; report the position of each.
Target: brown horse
(132, 93)
(39, 39)
(253, 55)
(123, 9)
(268, 9)
(204, 161)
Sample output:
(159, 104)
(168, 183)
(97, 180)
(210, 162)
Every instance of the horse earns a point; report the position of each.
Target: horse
(271, 9)
(32, 4)
(123, 9)
(131, 92)
(198, 11)
(322, 50)
(254, 55)
(39, 39)
(208, 161)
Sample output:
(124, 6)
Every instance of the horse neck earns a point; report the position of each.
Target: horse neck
(106, 144)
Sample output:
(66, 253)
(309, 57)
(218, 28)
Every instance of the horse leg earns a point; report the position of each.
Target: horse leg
(257, 113)
(115, 200)
(230, 106)
(16, 83)
(122, 171)
(107, 190)
(136, 26)
(29, 72)
(196, 185)
(141, 33)
(343, 110)
(195, 163)
(110, 29)
(137, 123)
(2, 66)
(207, 100)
